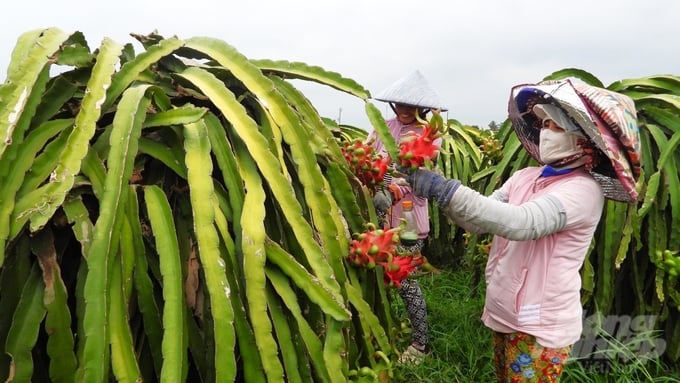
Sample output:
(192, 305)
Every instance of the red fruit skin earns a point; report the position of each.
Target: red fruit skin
(372, 246)
(369, 167)
(400, 268)
(418, 149)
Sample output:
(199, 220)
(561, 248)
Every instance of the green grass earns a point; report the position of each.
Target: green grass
(461, 345)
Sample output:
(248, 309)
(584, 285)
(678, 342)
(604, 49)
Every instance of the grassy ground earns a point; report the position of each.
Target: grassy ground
(461, 345)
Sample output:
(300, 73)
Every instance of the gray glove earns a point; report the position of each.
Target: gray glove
(428, 184)
(382, 200)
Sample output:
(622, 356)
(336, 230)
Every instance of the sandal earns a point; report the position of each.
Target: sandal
(412, 356)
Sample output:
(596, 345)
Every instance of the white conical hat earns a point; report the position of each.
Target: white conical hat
(412, 90)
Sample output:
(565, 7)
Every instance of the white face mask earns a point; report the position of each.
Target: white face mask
(554, 146)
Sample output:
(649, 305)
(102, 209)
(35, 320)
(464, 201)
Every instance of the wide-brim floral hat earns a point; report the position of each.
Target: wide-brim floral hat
(607, 118)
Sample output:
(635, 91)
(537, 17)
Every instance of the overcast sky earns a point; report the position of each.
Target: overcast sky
(471, 52)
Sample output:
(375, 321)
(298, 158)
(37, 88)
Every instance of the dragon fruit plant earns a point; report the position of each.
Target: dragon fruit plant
(380, 247)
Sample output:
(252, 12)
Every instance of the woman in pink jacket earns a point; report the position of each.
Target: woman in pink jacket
(409, 97)
(543, 218)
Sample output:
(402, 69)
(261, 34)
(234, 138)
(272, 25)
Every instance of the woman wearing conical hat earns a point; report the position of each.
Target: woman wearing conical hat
(409, 98)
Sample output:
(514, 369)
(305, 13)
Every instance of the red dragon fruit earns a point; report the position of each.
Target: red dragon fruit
(373, 246)
(377, 247)
(418, 150)
(399, 268)
(367, 165)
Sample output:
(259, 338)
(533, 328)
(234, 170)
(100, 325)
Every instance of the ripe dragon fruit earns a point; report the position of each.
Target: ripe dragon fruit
(369, 167)
(378, 247)
(419, 150)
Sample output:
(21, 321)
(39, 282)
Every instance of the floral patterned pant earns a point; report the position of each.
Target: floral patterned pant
(518, 358)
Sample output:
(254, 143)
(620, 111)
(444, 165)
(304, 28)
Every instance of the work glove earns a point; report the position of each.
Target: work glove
(382, 200)
(428, 184)
(386, 197)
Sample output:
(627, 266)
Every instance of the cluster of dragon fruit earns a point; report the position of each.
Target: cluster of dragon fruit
(380, 246)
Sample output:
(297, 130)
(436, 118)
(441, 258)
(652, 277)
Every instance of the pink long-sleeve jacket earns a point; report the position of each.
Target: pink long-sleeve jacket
(542, 229)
